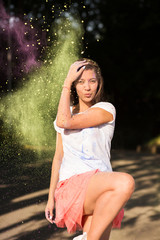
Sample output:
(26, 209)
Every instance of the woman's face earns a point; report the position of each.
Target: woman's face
(86, 86)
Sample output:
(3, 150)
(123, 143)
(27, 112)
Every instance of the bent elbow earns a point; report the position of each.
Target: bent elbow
(60, 123)
(63, 124)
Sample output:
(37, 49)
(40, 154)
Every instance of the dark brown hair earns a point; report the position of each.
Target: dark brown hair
(92, 65)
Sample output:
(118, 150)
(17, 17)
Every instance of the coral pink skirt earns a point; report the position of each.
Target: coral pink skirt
(69, 197)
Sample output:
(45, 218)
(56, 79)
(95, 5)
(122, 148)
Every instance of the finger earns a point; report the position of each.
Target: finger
(81, 68)
(49, 216)
(50, 220)
(79, 62)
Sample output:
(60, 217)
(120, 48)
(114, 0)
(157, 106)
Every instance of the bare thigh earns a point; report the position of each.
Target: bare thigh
(100, 183)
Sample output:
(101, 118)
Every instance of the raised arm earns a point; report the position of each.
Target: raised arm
(54, 178)
(90, 118)
(64, 114)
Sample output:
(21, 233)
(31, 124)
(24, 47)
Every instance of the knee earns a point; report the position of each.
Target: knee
(127, 185)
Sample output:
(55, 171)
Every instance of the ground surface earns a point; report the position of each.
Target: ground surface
(24, 195)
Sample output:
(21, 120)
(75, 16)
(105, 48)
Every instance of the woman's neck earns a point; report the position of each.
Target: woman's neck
(84, 106)
(77, 109)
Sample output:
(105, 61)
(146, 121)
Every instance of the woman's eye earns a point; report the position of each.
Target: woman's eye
(93, 80)
(80, 81)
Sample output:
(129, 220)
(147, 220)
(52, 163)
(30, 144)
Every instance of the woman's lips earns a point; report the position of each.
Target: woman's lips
(87, 95)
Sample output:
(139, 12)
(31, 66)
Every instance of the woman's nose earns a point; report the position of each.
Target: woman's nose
(87, 85)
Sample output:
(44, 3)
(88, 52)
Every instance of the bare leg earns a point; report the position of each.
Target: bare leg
(107, 232)
(107, 193)
(87, 224)
(87, 219)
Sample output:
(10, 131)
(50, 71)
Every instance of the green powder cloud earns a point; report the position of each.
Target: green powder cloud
(30, 111)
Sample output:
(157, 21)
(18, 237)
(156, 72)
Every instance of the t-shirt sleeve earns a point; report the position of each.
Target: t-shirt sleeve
(58, 129)
(108, 107)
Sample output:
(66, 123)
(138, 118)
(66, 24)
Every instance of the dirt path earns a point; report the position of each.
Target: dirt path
(22, 208)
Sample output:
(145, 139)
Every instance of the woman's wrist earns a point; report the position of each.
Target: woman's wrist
(51, 197)
(67, 83)
(66, 87)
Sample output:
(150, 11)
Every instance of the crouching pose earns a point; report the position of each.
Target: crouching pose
(89, 196)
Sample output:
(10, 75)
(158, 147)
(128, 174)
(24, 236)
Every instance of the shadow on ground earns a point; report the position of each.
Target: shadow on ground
(25, 185)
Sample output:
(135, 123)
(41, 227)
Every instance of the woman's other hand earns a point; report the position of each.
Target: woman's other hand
(49, 211)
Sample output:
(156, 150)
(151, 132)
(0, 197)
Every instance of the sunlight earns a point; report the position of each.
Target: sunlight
(30, 196)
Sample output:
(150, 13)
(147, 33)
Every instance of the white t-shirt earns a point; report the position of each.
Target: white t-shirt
(89, 148)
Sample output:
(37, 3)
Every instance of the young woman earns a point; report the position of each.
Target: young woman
(88, 194)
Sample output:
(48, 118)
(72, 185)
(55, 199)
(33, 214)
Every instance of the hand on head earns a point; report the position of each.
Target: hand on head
(75, 71)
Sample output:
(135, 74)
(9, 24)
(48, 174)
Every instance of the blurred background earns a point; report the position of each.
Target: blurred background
(122, 36)
(38, 41)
